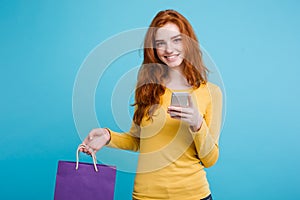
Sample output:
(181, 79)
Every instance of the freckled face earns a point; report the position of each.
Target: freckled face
(169, 47)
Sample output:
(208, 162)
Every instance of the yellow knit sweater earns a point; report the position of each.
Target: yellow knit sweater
(172, 156)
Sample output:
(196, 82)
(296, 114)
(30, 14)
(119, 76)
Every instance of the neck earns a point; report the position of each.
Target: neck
(176, 79)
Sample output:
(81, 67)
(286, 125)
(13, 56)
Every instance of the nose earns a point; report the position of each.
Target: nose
(169, 48)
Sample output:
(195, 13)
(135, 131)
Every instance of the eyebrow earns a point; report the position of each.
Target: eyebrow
(171, 38)
(176, 36)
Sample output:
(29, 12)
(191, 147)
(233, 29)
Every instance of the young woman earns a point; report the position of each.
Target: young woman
(176, 142)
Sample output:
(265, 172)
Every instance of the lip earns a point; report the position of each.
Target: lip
(171, 58)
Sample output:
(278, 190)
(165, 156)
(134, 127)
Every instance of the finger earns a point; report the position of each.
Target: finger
(85, 150)
(174, 114)
(189, 111)
(175, 109)
(183, 116)
(85, 141)
(181, 119)
(178, 115)
(89, 150)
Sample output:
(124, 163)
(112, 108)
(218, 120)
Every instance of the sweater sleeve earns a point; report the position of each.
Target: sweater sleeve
(207, 138)
(126, 141)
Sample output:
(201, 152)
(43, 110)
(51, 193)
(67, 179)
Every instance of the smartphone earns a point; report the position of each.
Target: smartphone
(180, 99)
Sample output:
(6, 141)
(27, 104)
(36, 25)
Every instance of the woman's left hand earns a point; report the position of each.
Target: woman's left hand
(188, 114)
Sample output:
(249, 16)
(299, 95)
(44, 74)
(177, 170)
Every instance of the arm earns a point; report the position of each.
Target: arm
(99, 137)
(206, 139)
(126, 141)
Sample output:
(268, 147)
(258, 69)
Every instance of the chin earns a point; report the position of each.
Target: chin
(174, 64)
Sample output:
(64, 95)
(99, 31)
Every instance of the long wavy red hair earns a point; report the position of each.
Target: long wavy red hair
(153, 72)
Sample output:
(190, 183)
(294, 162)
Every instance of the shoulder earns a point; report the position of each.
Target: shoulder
(209, 92)
(209, 88)
(212, 86)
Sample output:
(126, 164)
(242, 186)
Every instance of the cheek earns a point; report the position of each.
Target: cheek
(159, 53)
(182, 51)
(180, 48)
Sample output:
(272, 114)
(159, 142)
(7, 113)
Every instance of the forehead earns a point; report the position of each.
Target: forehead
(167, 31)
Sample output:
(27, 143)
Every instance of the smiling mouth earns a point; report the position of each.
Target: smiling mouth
(171, 58)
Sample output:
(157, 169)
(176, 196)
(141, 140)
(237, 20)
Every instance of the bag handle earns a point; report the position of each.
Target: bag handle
(93, 156)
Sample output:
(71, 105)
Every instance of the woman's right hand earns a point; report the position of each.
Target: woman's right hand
(95, 140)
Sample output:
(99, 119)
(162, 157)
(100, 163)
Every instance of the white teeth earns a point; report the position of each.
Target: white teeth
(173, 56)
(170, 56)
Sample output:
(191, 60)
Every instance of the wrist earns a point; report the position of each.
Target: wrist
(196, 128)
(108, 135)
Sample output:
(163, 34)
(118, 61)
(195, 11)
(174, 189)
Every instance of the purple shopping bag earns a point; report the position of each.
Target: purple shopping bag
(84, 181)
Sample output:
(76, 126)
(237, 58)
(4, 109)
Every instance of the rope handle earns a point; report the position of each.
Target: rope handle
(93, 156)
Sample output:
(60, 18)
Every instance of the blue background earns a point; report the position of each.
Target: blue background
(254, 43)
